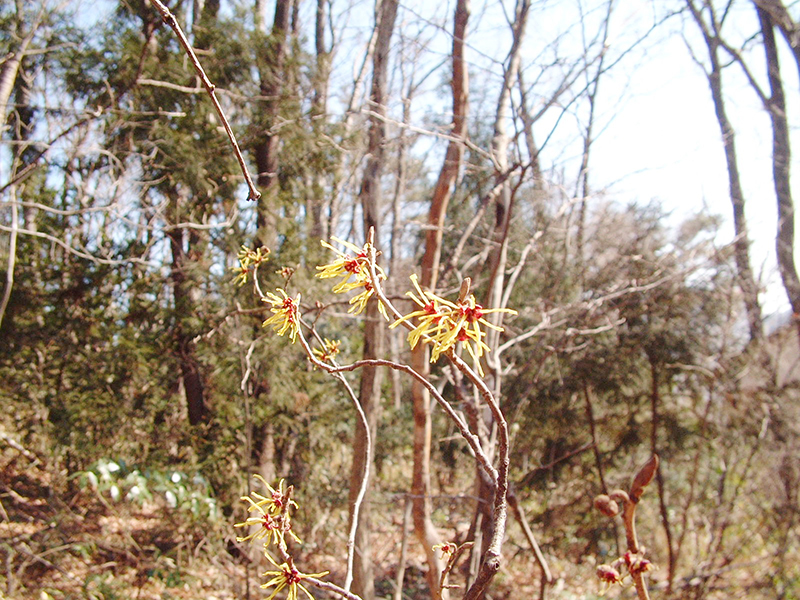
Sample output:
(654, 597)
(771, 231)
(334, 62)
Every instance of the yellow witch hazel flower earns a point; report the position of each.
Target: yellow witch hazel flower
(285, 315)
(286, 575)
(249, 260)
(443, 323)
(355, 267)
(430, 317)
(271, 515)
(447, 548)
(329, 350)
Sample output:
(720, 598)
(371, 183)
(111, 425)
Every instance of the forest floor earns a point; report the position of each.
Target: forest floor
(59, 541)
(56, 545)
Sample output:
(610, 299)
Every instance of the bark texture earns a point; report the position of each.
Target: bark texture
(741, 242)
(781, 165)
(448, 175)
(374, 331)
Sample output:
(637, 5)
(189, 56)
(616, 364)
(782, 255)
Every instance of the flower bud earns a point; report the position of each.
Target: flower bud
(606, 505)
(644, 477)
(608, 574)
(637, 563)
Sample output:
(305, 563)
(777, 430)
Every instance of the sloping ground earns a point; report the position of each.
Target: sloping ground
(75, 544)
(61, 541)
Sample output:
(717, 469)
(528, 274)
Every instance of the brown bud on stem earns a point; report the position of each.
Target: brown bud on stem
(606, 505)
(644, 477)
(464, 291)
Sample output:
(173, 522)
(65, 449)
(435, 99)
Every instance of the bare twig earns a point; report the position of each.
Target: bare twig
(362, 491)
(401, 563)
(331, 587)
(170, 20)
(12, 256)
(519, 514)
(459, 551)
(75, 251)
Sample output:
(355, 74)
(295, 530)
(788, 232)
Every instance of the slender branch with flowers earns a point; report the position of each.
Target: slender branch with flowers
(450, 327)
(633, 560)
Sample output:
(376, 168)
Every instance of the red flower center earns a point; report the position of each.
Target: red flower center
(292, 576)
(471, 313)
(352, 265)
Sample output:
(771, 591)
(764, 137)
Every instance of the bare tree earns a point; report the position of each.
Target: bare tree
(374, 331)
(420, 484)
(709, 24)
(781, 166)
(503, 202)
(593, 89)
(8, 79)
(775, 104)
(502, 199)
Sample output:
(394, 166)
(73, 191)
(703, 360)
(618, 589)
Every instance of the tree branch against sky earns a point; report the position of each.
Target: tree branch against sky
(706, 20)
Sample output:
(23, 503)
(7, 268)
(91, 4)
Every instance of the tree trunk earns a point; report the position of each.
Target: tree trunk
(8, 79)
(12, 63)
(741, 241)
(371, 378)
(781, 164)
(184, 307)
(271, 66)
(500, 141)
(318, 119)
(420, 482)
(781, 19)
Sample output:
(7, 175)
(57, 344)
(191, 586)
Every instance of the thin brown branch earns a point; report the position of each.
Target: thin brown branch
(519, 514)
(170, 20)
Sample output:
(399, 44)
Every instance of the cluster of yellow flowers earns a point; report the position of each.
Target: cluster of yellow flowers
(355, 268)
(443, 324)
(273, 523)
(285, 313)
(438, 321)
(249, 261)
(329, 350)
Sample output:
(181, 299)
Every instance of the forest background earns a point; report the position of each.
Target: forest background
(530, 146)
